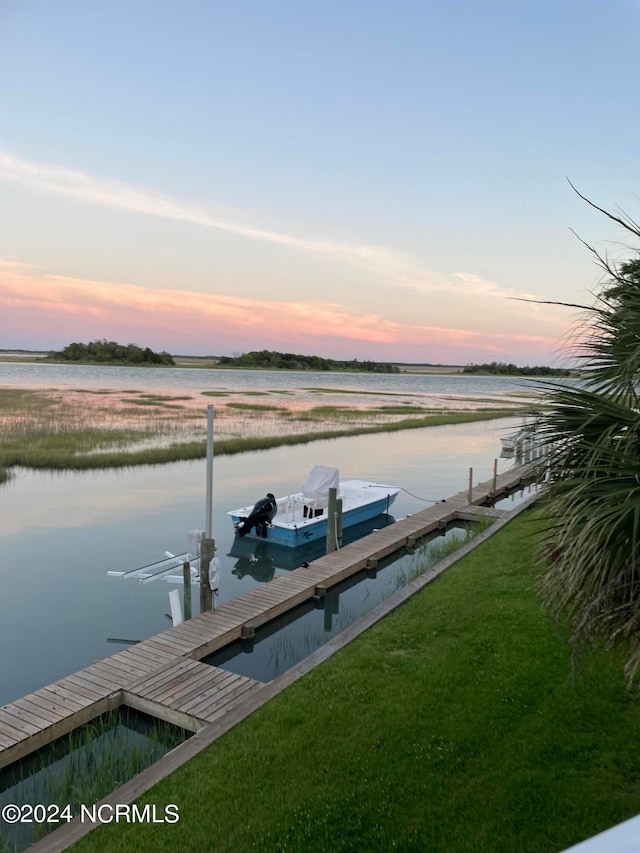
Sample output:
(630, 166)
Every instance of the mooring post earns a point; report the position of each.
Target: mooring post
(470, 492)
(186, 580)
(331, 520)
(495, 478)
(339, 522)
(207, 553)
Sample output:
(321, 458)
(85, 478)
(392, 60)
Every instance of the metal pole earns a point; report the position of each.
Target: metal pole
(208, 522)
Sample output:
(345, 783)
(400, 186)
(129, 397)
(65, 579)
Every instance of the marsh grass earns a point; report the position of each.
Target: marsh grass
(427, 554)
(84, 766)
(154, 403)
(77, 429)
(100, 391)
(256, 407)
(327, 412)
(353, 391)
(403, 409)
(66, 443)
(244, 393)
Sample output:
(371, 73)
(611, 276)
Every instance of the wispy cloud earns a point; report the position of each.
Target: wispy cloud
(113, 193)
(383, 262)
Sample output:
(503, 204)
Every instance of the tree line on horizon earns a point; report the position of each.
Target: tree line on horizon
(500, 368)
(272, 360)
(110, 352)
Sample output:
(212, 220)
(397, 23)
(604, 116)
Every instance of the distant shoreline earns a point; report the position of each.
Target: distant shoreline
(197, 362)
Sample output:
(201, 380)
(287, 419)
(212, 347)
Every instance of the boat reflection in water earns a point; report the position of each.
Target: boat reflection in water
(260, 559)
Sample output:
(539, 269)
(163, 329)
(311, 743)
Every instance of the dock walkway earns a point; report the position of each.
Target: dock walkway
(164, 677)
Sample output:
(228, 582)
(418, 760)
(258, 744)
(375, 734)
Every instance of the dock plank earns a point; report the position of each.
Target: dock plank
(168, 671)
(238, 606)
(115, 671)
(215, 698)
(48, 698)
(193, 632)
(161, 691)
(214, 712)
(35, 713)
(12, 721)
(189, 688)
(177, 646)
(140, 658)
(218, 619)
(87, 686)
(5, 740)
(10, 731)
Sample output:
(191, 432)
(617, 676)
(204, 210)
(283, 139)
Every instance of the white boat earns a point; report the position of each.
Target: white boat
(302, 516)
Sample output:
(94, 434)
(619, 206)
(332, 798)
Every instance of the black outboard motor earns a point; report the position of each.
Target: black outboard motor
(262, 515)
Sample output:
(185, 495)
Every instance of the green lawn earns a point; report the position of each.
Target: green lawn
(454, 724)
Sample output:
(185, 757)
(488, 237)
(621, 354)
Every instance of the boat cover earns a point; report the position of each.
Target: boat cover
(320, 480)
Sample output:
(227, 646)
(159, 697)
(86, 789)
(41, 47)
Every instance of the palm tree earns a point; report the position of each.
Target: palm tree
(593, 494)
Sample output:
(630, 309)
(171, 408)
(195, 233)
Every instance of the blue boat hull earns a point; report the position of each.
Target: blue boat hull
(294, 536)
(260, 558)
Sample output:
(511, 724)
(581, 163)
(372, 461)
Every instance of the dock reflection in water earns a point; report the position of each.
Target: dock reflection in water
(285, 641)
(260, 560)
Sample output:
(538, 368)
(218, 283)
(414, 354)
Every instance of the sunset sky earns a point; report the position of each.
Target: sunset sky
(349, 178)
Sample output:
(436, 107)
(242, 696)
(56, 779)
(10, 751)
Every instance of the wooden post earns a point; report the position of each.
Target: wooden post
(339, 524)
(331, 520)
(470, 492)
(495, 478)
(207, 553)
(186, 578)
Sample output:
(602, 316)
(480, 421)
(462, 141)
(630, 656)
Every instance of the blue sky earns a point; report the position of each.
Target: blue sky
(353, 179)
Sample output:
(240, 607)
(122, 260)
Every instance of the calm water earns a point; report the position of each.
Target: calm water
(61, 533)
(176, 380)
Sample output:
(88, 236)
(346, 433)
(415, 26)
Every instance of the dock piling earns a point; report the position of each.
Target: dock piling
(186, 579)
(207, 553)
(332, 509)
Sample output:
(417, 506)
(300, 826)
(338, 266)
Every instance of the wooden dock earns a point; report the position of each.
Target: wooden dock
(163, 676)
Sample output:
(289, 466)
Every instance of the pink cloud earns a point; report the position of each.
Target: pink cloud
(47, 312)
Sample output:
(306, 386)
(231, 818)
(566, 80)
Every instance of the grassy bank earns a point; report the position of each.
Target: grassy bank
(90, 448)
(452, 725)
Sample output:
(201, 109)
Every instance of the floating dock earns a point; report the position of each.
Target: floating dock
(163, 676)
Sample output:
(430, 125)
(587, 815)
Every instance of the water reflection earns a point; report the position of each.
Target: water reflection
(282, 643)
(61, 533)
(256, 559)
(178, 380)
